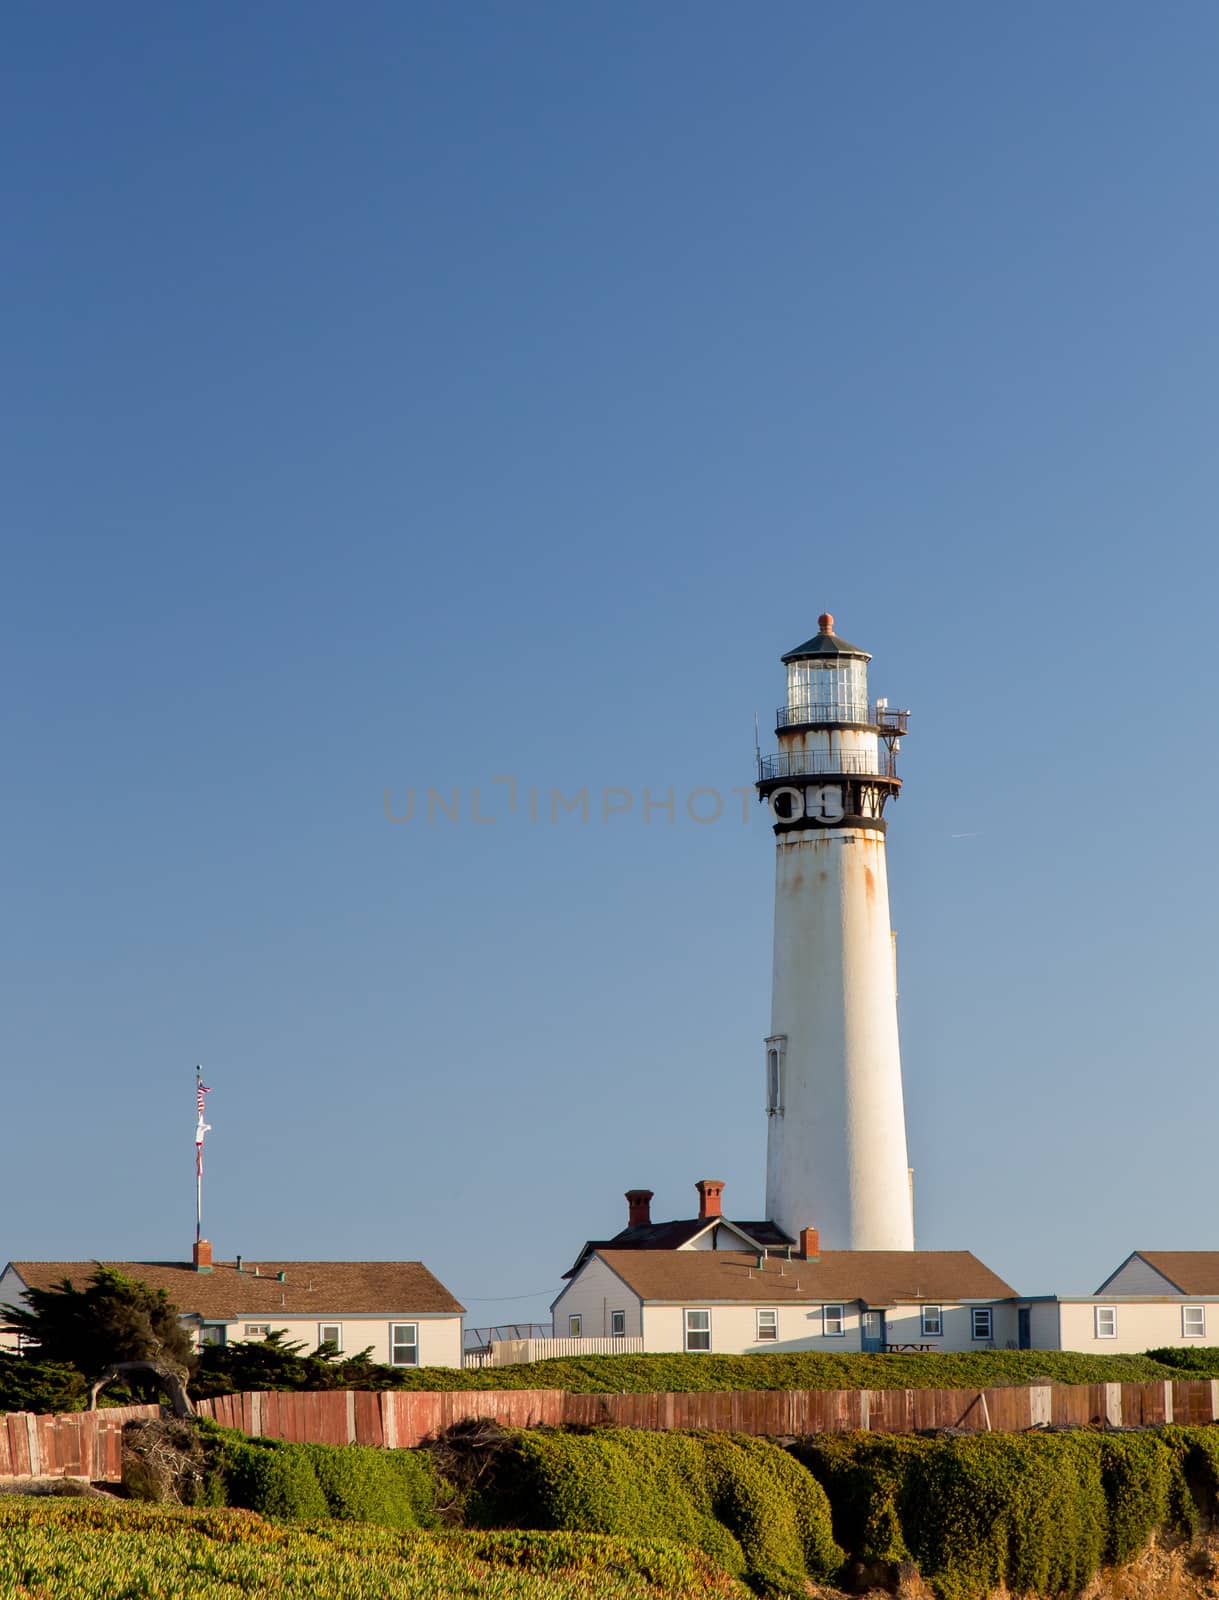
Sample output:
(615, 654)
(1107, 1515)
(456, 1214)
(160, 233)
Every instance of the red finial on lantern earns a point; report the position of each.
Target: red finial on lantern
(825, 622)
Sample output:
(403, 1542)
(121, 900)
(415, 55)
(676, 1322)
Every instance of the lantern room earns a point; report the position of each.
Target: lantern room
(827, 680)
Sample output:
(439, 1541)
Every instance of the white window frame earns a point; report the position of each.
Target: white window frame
(575, 1323)
(406, 1344)
(929, 1315)
(1098, 1314)
(978, 1314)
(617, 1324)
(696, 1333)
(1193, 1333)
(258, 1330)
(337, 1328)
(834, 1321)
(767, 1331)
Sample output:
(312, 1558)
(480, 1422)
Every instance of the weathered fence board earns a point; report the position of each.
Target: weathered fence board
(89, 1444)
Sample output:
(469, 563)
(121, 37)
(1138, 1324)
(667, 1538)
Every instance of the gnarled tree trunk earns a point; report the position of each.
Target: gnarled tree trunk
(172, 1380)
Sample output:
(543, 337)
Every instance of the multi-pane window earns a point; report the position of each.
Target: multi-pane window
(212, 1333)
(1106, 1322)
(833, 1321)
(933, 1322)
(768, 1324)
(618, 1324)
(825, 692)
(574, 1325)
(1193, 1321)
(404, 1344)
(330, 1333)
(257, 1330)
(983, 1320)
(698, 1330)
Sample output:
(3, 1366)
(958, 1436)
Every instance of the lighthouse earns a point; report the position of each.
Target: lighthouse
(836, 1143)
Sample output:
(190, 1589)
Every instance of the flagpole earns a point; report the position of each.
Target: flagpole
(201, 1128)
(199, 1155)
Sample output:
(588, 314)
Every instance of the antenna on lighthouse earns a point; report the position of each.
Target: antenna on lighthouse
(757, 740)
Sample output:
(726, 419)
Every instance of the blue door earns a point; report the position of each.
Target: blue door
(1024, 1325)
(873, 1331)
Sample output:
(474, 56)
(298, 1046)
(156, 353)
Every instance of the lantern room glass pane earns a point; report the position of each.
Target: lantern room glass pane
(828, 691)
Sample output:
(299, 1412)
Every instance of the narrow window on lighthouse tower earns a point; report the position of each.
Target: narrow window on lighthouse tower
(776, 1050)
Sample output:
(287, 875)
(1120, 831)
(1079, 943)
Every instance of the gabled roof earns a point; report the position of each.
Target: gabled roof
(673, 1235)
(310, 1288)
(1189, 1271)
(875, 1277)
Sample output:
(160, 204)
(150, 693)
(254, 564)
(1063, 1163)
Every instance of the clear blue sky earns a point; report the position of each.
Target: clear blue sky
(407, 395)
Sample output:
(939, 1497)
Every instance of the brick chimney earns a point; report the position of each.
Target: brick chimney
(810, 1244)
(203, 1255)
(639, 1208)
(709, 1192)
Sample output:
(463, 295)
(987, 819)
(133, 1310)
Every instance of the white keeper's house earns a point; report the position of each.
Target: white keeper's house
(1156, 1298)
(398, 1309)
(710, 1284)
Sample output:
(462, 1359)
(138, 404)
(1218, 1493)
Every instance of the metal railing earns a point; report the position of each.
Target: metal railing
(887, 718)
(818, 763)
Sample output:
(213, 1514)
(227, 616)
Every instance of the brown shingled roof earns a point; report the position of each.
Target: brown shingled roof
(1192, 1271)
(310, 1288)
(877, 1277)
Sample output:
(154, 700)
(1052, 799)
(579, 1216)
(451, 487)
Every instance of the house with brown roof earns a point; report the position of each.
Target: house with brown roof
(735, 1301)
(397, 1308)
(1154, 1298)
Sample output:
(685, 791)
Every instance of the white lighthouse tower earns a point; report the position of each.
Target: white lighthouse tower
(836, 1149)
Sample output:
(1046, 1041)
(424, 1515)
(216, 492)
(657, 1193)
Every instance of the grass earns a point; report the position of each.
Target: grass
(644, 1374)
(89, 1550)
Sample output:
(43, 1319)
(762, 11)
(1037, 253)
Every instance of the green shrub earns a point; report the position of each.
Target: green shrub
(1144, 1490)
(1196, 1362)
(353, 1483)
(277, 1483)
(394, 1488)
(1037, 1512)
(742, 1501)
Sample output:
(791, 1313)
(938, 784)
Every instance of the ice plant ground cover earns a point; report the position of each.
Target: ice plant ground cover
(108, 1550)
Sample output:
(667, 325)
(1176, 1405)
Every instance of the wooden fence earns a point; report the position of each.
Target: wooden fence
(87, 1444)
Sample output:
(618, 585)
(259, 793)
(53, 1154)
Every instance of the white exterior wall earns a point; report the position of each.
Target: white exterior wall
(904, 1325)
(591, 1295)
(836, 1155)
(1140, 1325)
(440, 1343)
(1044, 1330)
(734, 1328)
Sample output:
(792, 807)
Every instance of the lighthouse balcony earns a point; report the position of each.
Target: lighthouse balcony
(827, 763)
(885, 720)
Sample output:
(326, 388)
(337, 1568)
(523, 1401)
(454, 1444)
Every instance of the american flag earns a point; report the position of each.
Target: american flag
(201, 1127)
